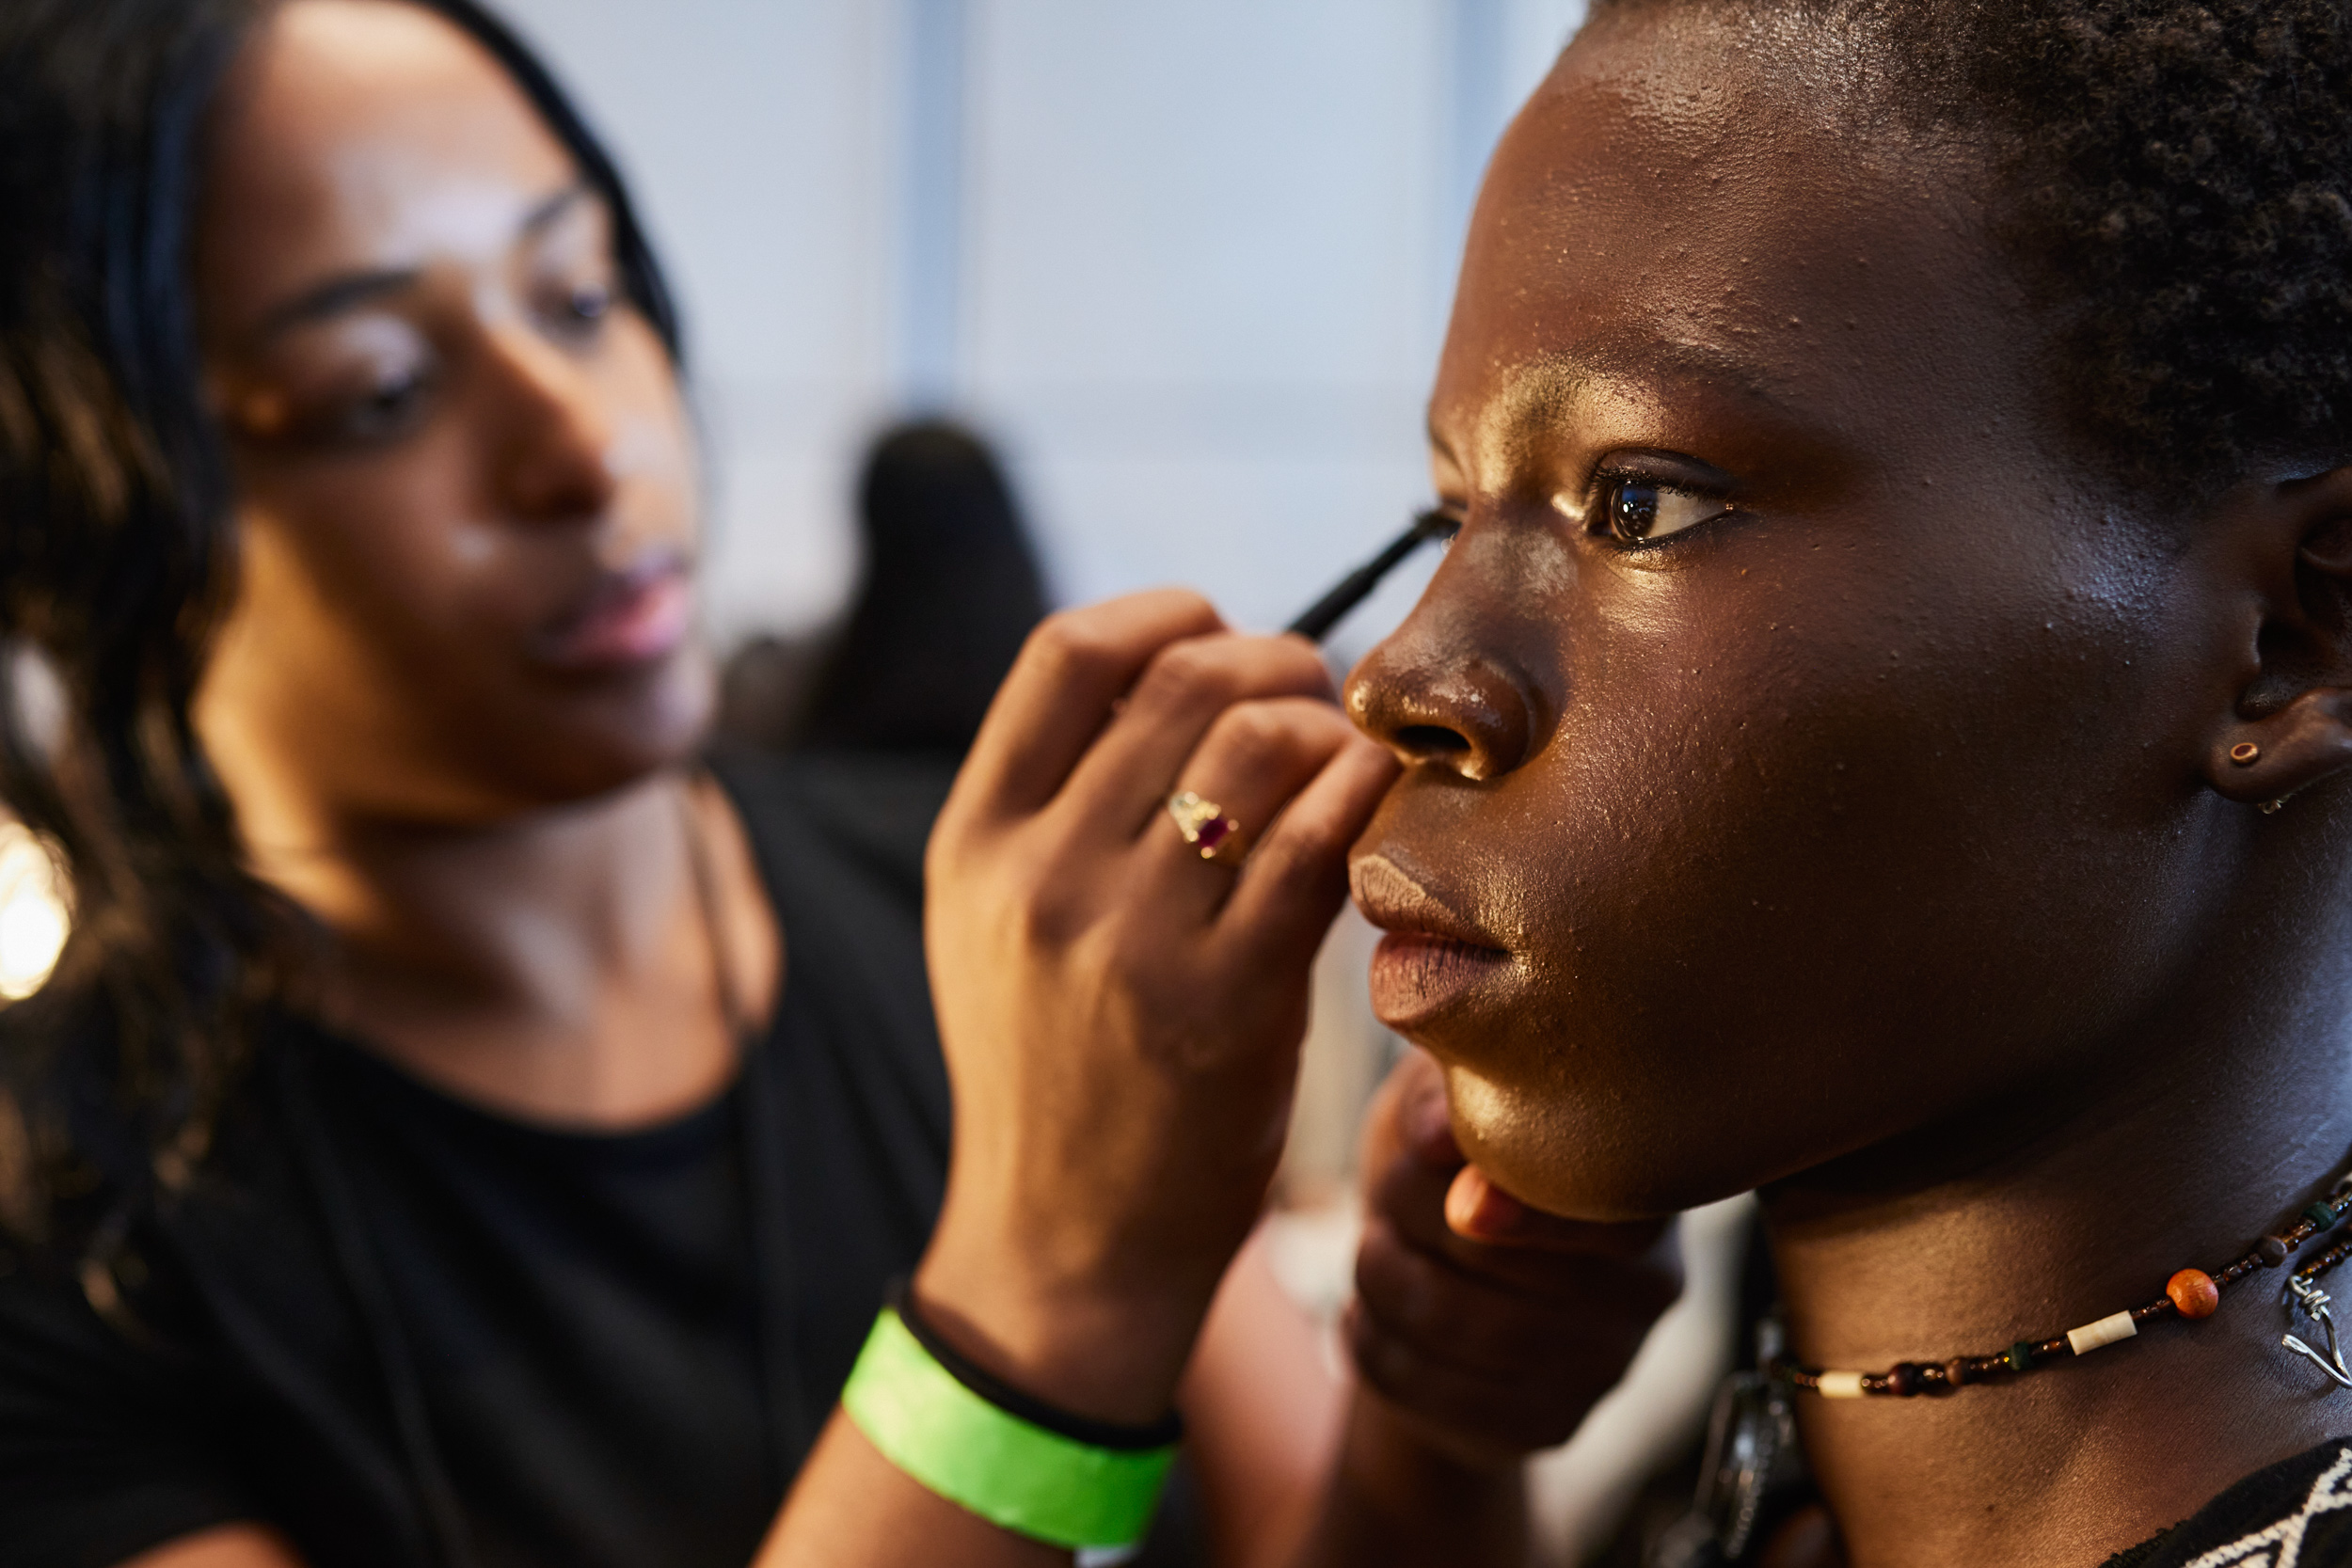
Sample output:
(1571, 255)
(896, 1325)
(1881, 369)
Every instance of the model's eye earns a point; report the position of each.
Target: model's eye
(1641, 511)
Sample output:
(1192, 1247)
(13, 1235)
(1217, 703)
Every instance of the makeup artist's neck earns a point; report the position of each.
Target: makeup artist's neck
(559, 965)
(2210, 1129)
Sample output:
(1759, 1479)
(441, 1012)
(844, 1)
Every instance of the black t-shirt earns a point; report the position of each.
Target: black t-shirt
(405, 1331)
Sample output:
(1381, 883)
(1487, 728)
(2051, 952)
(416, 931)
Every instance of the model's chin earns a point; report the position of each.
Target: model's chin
(1582, 1157)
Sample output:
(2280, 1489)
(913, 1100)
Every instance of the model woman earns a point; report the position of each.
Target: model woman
(464, 1130)
(1880, 737)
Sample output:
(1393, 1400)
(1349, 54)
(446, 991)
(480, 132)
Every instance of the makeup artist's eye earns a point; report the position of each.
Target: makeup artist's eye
(576, 310)
(1642, 511)
(389, 403)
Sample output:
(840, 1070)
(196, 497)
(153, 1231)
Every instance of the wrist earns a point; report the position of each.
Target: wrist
(1394, 1496)
(1103, 1352)
(1026, 1467)
(1389, 1446)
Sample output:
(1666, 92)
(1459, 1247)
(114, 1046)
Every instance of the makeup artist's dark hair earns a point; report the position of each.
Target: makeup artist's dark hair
(2176, 178)
(117, 552)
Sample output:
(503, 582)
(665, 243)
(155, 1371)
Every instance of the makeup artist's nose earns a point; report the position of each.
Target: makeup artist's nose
(554, 433)
(1438, 702)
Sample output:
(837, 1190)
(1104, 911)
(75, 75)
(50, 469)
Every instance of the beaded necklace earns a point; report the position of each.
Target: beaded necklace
(2191, 1294)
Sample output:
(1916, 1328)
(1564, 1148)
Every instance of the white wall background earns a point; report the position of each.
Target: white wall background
(1188, 261)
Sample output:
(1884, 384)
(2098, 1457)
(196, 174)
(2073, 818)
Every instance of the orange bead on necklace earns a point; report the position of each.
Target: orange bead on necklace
(2191, 1294)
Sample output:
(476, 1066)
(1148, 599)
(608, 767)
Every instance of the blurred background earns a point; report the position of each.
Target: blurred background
(1187, 265)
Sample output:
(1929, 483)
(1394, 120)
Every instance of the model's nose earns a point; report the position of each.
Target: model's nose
(1467, 714)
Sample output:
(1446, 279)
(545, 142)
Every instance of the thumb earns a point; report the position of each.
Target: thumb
(1478, 1211)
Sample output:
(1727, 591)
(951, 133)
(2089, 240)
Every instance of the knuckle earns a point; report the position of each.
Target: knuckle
(1068, 643)
(1297, 660)
(1308, 843)
(1296, 864)
(1048, 911)
(1322, 723)
(1251, 739)
(1190, 603)
(1315, 672)
(1386, 1363)
(1186, 673)
(1401, 1287)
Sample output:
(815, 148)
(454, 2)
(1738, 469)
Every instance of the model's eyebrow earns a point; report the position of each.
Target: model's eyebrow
(348, 291)
(1656, 363)
(1540, 392)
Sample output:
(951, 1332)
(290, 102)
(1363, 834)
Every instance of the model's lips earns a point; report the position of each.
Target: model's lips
(625, 619)
(1415, 977)
(1432, 958)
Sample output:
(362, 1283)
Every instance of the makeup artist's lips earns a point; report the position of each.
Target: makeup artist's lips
(1430, 958)
(626, 620)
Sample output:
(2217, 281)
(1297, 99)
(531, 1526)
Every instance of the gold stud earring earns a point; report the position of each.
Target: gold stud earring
(2246, 753)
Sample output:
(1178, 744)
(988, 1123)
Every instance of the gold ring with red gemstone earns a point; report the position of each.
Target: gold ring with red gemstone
(1206, 827)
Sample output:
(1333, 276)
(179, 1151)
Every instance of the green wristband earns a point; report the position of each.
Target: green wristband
(1009, 1471)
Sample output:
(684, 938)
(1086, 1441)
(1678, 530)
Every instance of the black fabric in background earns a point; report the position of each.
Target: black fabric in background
(578, 1307)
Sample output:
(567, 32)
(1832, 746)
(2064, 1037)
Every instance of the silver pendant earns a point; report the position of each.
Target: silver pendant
(1751, 1456)
(2314, 1304)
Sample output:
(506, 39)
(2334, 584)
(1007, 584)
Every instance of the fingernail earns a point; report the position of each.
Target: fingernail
(1475, 1208)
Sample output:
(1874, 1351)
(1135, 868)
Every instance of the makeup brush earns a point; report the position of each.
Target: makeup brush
(1315, 624)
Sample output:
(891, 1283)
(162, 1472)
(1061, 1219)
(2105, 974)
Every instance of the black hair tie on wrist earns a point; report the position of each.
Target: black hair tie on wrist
(1028, 1407)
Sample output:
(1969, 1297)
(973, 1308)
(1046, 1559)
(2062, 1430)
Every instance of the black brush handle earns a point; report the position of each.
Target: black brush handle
(1351, 590)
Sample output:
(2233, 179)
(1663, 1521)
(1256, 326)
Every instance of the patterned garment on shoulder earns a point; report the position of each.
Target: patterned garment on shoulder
(2295, 1514)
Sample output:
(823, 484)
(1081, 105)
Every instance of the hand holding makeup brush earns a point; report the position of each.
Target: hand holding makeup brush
(1122, 993)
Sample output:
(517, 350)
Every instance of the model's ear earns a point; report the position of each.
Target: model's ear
(2293, 723)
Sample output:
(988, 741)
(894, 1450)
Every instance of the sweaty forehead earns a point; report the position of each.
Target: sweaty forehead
(363, 134)
(1693, 200)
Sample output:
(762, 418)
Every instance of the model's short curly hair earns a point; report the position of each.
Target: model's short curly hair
(2176, 176)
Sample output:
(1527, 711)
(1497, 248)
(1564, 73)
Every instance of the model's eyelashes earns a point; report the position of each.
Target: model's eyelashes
(1635, 510)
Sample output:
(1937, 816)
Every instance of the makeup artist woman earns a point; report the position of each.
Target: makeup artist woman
(466, 1131)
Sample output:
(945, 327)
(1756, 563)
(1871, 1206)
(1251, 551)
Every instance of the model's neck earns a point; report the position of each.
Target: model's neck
(2209, 1129)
